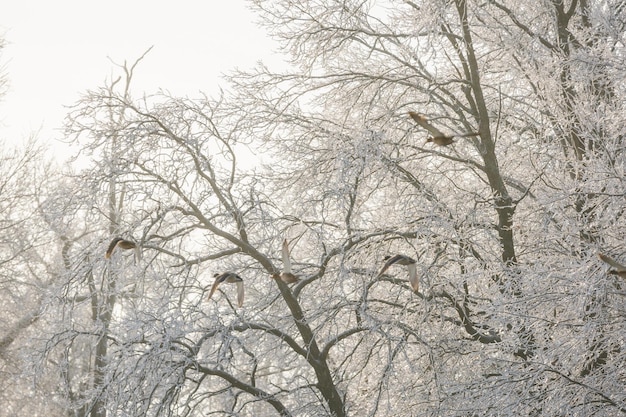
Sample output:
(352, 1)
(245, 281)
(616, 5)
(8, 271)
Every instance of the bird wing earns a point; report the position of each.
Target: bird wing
(111, 247)
(286, 260)
(384, 268)
(137, 253)
(413, 276)
(389, 262)
(404, 260)
(214, 288)
(240, 293)
(422, 121)
(612, 262)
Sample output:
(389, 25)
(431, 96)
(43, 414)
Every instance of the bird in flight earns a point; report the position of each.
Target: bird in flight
(286, 275)
(118, 242)
(231, 278)
(619, 268)
(403, 260)
(438, 137)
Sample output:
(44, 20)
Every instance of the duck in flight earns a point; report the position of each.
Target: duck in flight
(231, 278)
(118, 242)
(619, 268)
(286, 275)
(438, 137)
(406, 261)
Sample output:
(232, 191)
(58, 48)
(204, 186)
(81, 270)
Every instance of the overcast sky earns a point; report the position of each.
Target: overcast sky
(58, 49)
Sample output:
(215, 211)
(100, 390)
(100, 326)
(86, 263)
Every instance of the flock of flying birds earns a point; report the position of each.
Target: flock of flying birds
(285, 275)
(288, 277)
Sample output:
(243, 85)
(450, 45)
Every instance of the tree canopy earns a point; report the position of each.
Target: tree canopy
(504, 307)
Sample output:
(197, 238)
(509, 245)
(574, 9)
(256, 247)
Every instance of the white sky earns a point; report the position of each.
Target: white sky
(60, 48)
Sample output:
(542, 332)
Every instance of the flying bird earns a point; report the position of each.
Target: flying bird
(402, 260)
(231, 278)
(122, 244)
(619, 268)
(438, 137)
(286, 275)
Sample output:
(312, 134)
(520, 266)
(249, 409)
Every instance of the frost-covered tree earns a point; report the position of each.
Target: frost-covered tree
(514, 314)
(29, 267)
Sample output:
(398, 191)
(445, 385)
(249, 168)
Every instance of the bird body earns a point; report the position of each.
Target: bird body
(438, 137)
(118, 242)
(441, 140)
(231, 278)
(288, 277)
(619, 268)
(404, 260)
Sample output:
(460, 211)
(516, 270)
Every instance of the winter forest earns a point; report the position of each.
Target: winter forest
(506, 308)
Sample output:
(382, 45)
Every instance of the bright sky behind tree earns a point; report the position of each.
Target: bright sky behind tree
(57, 50)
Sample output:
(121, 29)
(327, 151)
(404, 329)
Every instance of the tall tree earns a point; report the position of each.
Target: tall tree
(28, 269)
(503, 225)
